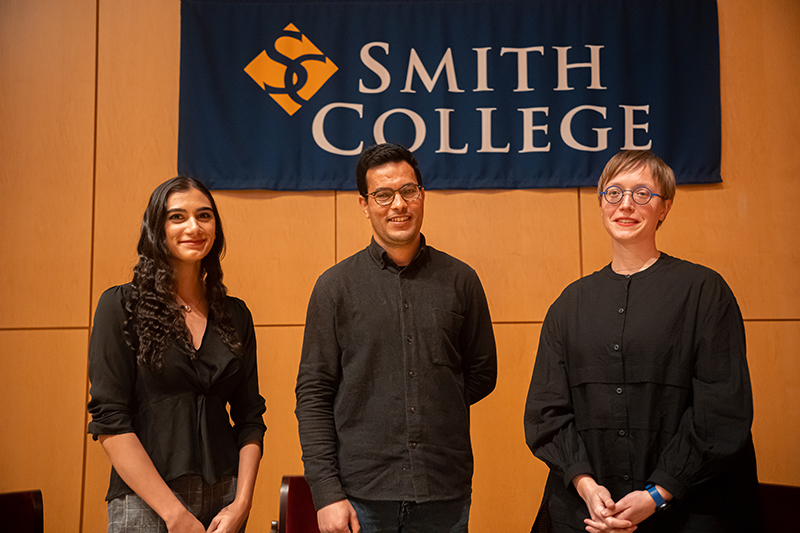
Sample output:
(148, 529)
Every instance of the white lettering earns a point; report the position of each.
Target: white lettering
(483, 84)
(563, 67)
(534, 133)
(486, 132)
(444, 134)
(522, 65)
(372, 64)
(419, 126)
(569, 140)
(528, 128)
(630, 126)
(415, 65)
(318, 128)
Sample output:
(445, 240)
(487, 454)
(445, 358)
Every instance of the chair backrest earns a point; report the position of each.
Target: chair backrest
(778, 503)
(22, 512)
(297, 513)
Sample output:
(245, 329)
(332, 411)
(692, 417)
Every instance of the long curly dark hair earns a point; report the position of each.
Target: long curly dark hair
(155, 321)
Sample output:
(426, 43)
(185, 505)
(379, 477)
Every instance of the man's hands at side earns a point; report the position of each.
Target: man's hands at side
(338, 517)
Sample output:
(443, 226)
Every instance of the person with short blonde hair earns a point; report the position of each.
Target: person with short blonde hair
(640, 400)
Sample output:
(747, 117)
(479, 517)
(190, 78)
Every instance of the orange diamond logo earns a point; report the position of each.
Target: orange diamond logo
(295, 74)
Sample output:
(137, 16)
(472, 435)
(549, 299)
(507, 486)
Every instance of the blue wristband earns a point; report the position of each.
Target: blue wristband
(661, 504)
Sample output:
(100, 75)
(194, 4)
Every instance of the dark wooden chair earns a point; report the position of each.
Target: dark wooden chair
(22, 512)
(777, 502)
(297, 512)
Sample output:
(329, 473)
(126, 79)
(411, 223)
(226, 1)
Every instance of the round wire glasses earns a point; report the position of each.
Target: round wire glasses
(640, 195)
(385, 197)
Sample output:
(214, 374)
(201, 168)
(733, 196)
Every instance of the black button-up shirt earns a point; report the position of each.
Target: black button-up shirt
(643, 379)
(392, 359)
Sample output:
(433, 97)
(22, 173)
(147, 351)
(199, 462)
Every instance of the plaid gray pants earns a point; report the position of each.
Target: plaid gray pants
(130, 514)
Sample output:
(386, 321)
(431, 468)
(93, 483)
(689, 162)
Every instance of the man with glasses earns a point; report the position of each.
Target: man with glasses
(398, 344)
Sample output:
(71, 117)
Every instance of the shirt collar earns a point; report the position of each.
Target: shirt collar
(383, 260)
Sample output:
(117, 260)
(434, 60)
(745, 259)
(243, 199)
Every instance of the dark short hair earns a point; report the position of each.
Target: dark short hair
(378, 155)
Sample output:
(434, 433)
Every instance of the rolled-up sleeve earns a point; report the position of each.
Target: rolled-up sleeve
(112, 369)
(247, 404)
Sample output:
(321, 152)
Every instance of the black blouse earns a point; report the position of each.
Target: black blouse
(642, 379)
(179, 413)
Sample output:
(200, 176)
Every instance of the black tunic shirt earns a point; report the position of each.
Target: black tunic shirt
(179, 414)
(641, 379)
(392, 359)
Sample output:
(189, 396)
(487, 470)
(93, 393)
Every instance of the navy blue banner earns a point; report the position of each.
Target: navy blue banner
(488, 94)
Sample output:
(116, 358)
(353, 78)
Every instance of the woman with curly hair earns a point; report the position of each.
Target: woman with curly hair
(169, 352)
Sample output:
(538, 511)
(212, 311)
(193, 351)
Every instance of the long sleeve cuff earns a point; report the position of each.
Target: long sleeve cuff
(675, 487)
(576, 470)
(327, 492)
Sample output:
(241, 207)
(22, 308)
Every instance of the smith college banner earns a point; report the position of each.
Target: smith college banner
(489, 94)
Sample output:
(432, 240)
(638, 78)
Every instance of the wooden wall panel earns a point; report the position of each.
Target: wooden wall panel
(278, 360)
(47, 118)
(137, 131)
(774, 370)
(43, 399)
(353, 229)
(509, 481)
(760, 91)
(278, 244)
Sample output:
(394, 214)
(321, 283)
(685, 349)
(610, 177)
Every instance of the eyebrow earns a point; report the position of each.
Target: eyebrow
(182, 210)
(402, 186)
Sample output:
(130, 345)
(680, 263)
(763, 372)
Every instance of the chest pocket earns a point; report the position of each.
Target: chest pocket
(448, 332)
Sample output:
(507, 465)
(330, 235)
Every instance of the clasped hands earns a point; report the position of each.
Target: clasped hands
(608, 516)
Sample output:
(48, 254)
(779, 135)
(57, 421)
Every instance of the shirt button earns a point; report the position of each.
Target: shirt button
(621, 310)
(413, 409)
(626, 477)
(616, 347)
(411, 374)
(621, 432)
(627, 275)
(619, 390)
(405, 306)
(408, 339)
(412, 445)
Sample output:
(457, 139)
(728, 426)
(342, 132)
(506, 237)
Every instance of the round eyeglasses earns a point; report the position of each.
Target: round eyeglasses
(640, 195)
(385, 197)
